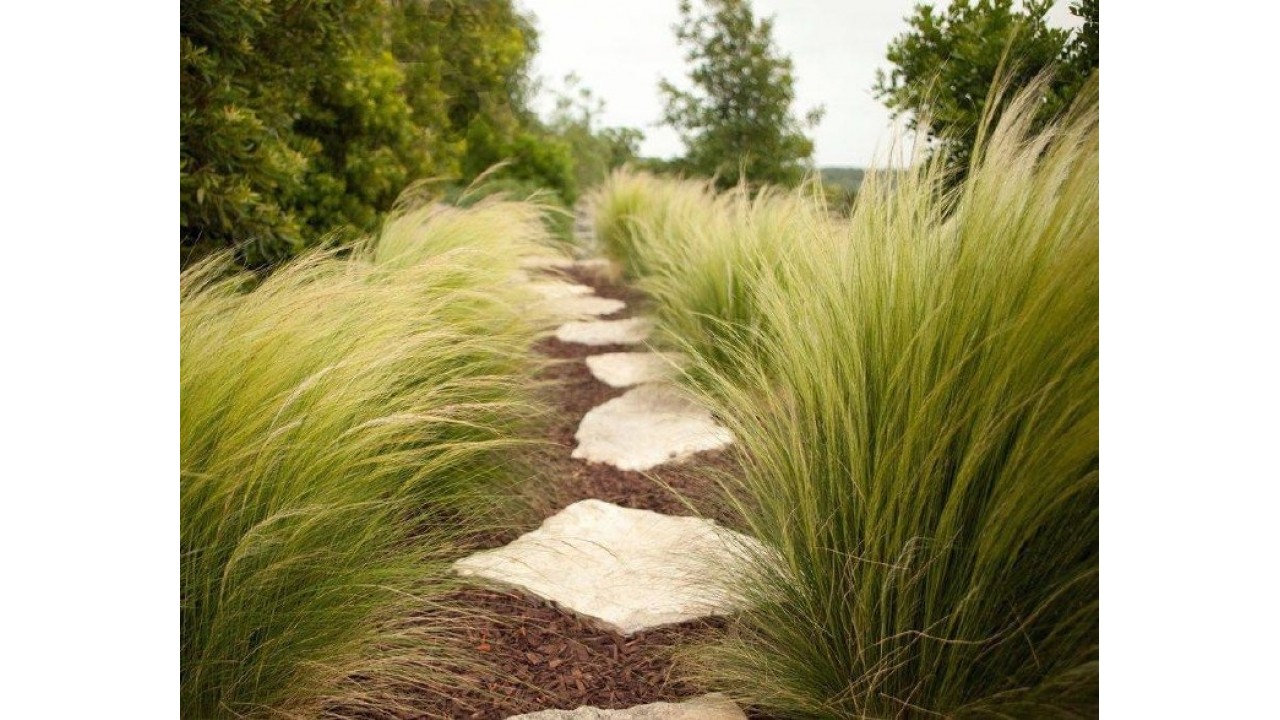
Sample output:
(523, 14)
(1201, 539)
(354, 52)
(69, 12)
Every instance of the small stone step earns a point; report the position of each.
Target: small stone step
(712, 706)
(648, 426)
(624, 369)
(553, 290)
(628, 570)
(606, 332)
(571, 301)
(579, 307)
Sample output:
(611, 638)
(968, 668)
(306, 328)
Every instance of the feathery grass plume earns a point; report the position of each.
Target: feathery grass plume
(919, 411)
(498, 231)
(343, 422)
(700, 255)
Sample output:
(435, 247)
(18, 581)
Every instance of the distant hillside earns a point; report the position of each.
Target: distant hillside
(847, 177)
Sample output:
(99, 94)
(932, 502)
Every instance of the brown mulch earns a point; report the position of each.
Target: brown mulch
(551, 659)
(574, 393)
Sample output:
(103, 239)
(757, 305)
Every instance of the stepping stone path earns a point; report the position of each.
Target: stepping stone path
(624, 369)
(629, 570)
(713, 706)
(652, 424)
(606, 332)
(626, 569)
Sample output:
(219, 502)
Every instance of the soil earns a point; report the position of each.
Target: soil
(548, 658)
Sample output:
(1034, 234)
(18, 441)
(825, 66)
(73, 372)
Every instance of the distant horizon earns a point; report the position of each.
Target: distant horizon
(621, 50)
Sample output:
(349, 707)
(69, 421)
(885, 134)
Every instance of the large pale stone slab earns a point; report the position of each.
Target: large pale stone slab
(606, 332)
(647, 426)
(627, 569)
(713, 706)
(624, 369)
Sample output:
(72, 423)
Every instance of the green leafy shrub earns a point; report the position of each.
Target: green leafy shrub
(919, 412)
(298, 120)
(343, 422)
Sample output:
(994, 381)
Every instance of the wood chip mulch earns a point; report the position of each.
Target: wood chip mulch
(547, 658)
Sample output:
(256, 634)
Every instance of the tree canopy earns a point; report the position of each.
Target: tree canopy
(736, 121)
(298, 119)
(945, 66)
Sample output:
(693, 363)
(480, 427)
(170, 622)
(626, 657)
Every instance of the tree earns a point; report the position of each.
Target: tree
(945, 66)
(736, 121)
(301, 118)
(596, 150)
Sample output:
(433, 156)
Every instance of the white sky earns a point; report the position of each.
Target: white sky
(620, 49)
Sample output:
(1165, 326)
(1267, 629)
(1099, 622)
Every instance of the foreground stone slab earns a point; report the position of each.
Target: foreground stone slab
(650, 425)
(624, 369)
(628, 570)
(713, 706)
(606, 332)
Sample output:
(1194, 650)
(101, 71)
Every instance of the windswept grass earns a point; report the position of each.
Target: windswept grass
(344, 421)
(916, 390)
(702, 255)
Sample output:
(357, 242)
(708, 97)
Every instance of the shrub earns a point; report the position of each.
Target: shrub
(344, 422)
(919, 413)
(298, 120)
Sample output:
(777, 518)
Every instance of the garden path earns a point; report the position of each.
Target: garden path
(630, 575)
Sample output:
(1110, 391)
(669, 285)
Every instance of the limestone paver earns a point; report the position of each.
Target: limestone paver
(647, 426)
(627, 569)
(712, 706)
(606, 332)
(624, 369)
(553, 290)
(586, 306)
(571, 301)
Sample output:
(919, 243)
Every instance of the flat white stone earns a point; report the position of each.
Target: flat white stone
(578, 307)
(624, 369)
(606, 332)
(647, 426)
(627, 569)
(712, 706)
(553, 290)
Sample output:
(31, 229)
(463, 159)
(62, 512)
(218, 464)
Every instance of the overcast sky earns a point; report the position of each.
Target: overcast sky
(620, 48)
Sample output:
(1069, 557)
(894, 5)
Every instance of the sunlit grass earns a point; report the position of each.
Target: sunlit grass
(916, 390)
(344, 422)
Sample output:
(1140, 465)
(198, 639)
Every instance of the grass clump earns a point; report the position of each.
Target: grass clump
(919, 413)
(701, 255)
(344, 423)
